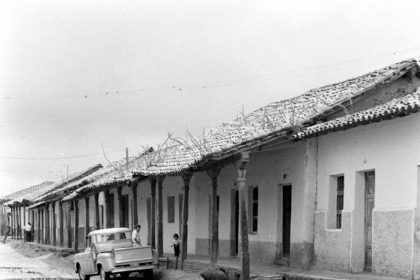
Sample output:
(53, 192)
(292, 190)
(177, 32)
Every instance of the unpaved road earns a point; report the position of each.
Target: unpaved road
(18, 260)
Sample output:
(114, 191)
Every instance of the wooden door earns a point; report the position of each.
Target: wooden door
(125, 211)
(180, 203)
(287, 216)
(369, 205)
(111, 210)
(234, 223)
(210, 217)
(149, 220)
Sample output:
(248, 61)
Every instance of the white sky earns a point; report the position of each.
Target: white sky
(74, 74)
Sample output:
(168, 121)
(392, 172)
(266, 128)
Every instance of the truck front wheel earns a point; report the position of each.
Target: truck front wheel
(148, 274)
(103, 274)
(82, 276)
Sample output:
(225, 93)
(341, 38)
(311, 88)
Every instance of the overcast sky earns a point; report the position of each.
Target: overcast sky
(75, 74)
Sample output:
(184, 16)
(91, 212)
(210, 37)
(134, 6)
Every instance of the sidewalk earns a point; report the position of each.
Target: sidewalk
(195, 264)
(273, 271)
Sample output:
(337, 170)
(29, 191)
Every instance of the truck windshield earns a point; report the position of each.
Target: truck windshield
(101, 238)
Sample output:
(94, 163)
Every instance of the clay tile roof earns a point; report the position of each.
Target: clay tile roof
(59, 188)
(396, 107)
(27, 193)
(266, 121)
(113, 173)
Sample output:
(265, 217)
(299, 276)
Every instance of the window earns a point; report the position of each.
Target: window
(253, 208)
(340, 200)
(336, 202)
(171, 209)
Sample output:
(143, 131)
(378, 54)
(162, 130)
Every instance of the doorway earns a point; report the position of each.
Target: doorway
(234, 223)
(369, 205)
(287, 215)
(125, 210)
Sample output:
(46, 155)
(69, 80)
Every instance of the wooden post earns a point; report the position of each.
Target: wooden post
(120, 207)
(97, 218)
(76, 225)
(69, 243)
(186, 177)
(86, 217)
(39, 224)
(241, 182)
(160, 216)
(32, 225)
(153, 192)
(19, 223)
(42, 226)
(61, 229)
(214, 249)
(16, 223)
(47, 224)
(54, 225)
(24, 216)
(12, 223)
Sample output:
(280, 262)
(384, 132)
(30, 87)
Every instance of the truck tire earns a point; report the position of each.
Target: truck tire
(103, 275)
(82, 276)
(125, 275)
(148, 274)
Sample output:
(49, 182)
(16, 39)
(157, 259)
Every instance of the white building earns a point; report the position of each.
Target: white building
(332, 182)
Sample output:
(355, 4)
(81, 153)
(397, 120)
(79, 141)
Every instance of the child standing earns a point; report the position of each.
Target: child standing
(175, 244)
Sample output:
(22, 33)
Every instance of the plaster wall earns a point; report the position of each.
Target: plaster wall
(172, 186)
(390, 148)
(268, 170)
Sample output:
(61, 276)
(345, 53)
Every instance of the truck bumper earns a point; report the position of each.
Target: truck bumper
(134, 268)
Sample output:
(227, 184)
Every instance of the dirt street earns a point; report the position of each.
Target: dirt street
(18, 260)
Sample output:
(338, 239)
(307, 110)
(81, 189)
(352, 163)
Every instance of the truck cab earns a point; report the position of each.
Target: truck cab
(111, 251)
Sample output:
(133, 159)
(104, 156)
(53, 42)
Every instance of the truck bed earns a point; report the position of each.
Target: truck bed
(134, 254)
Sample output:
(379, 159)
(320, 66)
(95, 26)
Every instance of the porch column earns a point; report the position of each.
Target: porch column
(308, 205)
(32, 211)
(39, 224)
(69, 243)
(15, 231)
(54, 224)
(186, 177)
(19, 226)
(153, 214)
(160, 216)
(97, 219)
(120, 206)
(241, 182)
(32, 225)
(47, 224)
(19, 223)
(86, 217)
(76, 225)
(12, 224)
(214, 249)
(61, 229)
(42, 226)
(24, 215)
(135, 214)
(108, 208)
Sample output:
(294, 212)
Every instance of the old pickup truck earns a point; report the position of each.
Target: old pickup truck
(111, 251)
